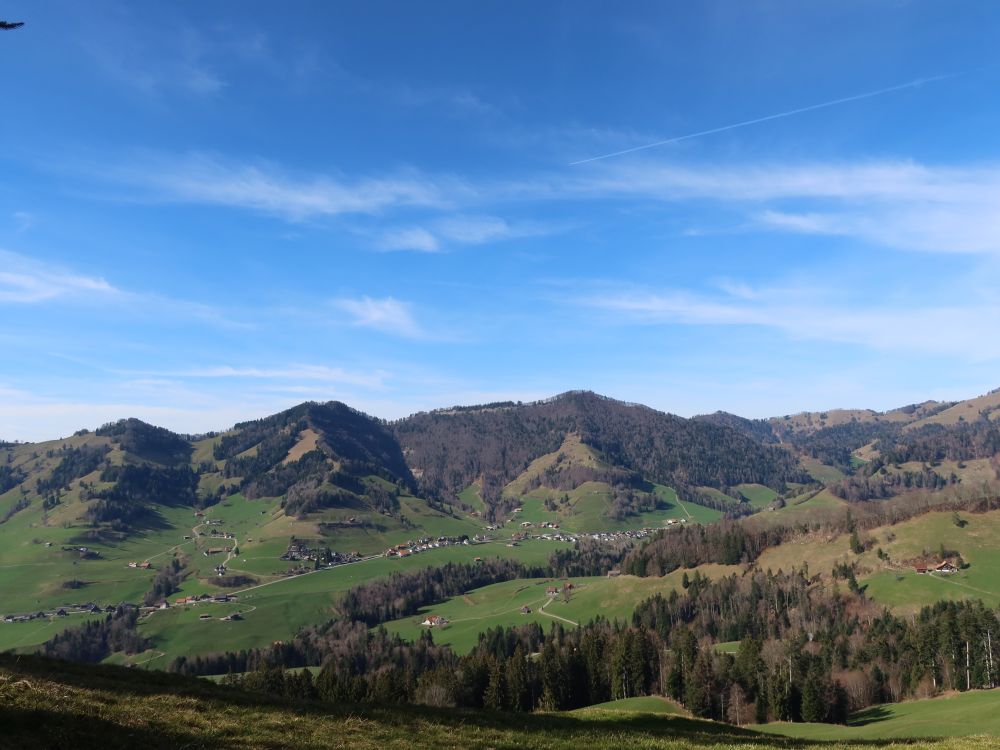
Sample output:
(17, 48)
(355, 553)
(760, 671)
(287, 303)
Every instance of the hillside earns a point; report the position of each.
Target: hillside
(982, 407)
(812, 421)
(54, 704)
(493, 445)
(956, 715)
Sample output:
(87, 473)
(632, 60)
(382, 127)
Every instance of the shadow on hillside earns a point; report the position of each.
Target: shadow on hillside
(28, 729)
(871, 715)
(68, 726)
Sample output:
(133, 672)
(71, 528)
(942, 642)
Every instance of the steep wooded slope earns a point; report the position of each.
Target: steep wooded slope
(493, 444)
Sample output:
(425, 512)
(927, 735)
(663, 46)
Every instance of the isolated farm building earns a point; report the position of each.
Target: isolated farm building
(435, 621)
(946, 567)
(921, 569)
(551, 590)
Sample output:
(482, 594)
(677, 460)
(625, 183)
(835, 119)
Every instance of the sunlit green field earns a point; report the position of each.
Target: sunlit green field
(757, 494)
(275, 611)
(959, 715)
(501, 603)
(647, 704)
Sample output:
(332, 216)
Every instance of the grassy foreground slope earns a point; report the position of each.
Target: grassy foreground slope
(975, 712)
(47, 704)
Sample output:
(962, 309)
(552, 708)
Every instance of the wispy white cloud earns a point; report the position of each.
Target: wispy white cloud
(150, 62)
(964, 330)
(898, 204)
(268, 189)
(24, 280)
(409, 238)
(903, 205)
(388, 315)
(457, 230)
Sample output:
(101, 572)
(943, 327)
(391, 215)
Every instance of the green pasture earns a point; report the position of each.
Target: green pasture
(501, 603)
(277, 610)
(757, 495)
(959, 715)
(647, 704)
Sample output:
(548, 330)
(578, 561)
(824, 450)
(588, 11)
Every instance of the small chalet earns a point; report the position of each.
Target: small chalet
(921, 569)
(435, 621)
(946, 568)
(551, 590)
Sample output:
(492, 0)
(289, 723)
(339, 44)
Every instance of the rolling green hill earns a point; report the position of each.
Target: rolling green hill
(959, 715)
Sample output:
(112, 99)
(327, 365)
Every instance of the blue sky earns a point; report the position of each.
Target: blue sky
(212, 211)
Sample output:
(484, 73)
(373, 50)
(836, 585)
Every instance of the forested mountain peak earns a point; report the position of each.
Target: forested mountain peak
(311, 450)
(145, 442)
(448, 450)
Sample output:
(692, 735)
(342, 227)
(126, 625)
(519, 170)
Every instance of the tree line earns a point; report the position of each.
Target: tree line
(806, 653)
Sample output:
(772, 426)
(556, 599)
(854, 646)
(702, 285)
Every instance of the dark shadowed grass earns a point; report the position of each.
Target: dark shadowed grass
(45, 703)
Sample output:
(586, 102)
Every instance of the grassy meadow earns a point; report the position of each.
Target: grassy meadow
(46, 704)
(959, 715)
(501, 603)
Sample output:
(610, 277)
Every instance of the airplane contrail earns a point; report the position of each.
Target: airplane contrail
(867, 95)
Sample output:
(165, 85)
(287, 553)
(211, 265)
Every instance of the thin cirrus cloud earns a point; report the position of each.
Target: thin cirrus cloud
(268, 189)
(904, 205)
(387, 315)
(963, 330)
(899, 204)
(25, 280)
(440, 234)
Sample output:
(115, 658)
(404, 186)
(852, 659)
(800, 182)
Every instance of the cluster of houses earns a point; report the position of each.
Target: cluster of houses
(422, 545)
(556, 590)
(64, 611)
(219, 534)
(541, 525)
(943, 568)
(200, 598)
(299, 551)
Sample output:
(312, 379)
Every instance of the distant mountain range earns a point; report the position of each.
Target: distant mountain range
(478, 459)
